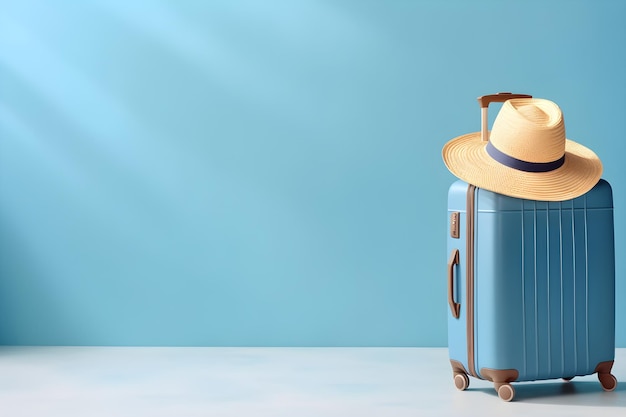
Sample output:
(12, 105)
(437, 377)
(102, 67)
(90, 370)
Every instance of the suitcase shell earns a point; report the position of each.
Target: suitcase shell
(531, 287)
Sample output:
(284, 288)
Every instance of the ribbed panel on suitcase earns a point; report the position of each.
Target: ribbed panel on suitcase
(549, 268)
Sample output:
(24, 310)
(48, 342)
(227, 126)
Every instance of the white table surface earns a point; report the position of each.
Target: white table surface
(390, 382)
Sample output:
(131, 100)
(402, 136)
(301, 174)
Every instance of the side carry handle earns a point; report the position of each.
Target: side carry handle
(484, 102)
(454, 307)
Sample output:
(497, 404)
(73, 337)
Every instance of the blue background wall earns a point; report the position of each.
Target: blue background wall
(266, 173)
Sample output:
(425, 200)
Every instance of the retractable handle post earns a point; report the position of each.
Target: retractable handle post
(484, 102)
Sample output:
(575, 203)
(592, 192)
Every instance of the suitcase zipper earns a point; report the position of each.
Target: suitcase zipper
(471, 200)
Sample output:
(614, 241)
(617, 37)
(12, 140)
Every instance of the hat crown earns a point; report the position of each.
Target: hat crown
(529, 129)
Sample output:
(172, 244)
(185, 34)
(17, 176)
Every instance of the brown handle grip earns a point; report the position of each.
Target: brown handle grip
(500, 97)
(455, 308)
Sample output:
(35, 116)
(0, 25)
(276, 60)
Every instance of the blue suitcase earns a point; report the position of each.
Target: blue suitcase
(531, 285)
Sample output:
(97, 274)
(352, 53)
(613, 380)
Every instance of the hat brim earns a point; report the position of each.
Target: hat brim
(466, 157)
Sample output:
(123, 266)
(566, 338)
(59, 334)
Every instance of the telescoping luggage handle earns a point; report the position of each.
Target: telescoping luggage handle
(484, 102)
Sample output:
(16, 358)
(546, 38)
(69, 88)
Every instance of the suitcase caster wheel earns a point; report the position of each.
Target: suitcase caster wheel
(506, 392)
(568, 378)
(608, 381)
(461, 382)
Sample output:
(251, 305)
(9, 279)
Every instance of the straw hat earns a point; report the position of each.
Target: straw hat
(527, 155)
